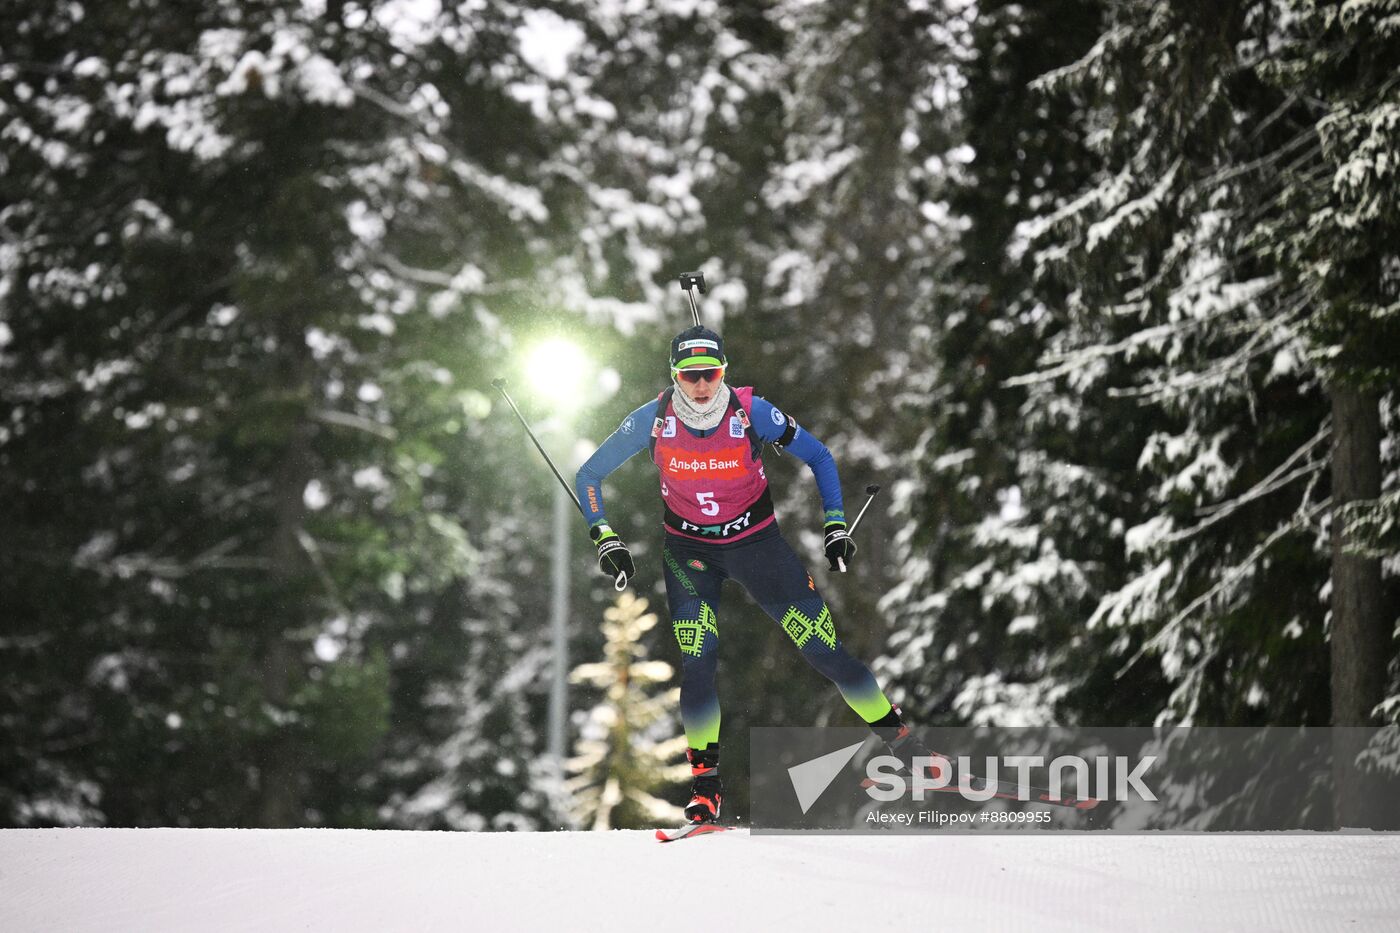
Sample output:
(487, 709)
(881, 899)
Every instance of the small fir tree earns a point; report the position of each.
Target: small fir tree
(628, 746)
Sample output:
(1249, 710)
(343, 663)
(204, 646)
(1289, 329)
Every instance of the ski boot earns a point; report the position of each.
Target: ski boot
(705, 788)
(904, 744)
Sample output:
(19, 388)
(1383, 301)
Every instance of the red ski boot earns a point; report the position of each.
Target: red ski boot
(705, 788)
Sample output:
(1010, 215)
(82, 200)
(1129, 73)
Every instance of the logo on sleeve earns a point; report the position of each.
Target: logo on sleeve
(778, 417)
(628, 426)
(736, 427)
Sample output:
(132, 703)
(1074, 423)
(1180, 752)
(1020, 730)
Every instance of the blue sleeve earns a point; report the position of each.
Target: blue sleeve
(770, 423)
(632, 435)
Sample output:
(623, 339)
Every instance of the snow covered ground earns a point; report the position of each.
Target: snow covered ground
(165, 879)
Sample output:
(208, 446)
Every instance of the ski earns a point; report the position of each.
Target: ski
(689, 830)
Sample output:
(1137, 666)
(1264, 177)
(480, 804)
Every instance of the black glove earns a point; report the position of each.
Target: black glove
(839, 546)
(613, 556)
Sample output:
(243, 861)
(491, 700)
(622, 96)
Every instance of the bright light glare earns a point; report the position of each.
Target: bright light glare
(560, 373)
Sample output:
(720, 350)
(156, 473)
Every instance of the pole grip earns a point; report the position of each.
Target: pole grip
(690, 281)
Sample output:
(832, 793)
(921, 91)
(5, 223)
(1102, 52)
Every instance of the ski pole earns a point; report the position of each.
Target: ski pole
(869, 491)
(870, 494)
(620, 583)
(689, 282)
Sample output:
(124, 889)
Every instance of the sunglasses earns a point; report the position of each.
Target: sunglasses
(701, 375)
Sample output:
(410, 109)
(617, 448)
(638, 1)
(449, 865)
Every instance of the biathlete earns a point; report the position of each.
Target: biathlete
(707, 439)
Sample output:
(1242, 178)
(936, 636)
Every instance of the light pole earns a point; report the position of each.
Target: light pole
(558, 629)
(550, 366)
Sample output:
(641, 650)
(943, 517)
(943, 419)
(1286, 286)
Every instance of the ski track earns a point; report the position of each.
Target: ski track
(152, 880)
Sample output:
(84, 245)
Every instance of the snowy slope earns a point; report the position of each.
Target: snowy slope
(155, 880)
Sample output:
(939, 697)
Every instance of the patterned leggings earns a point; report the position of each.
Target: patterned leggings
(766, 566)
